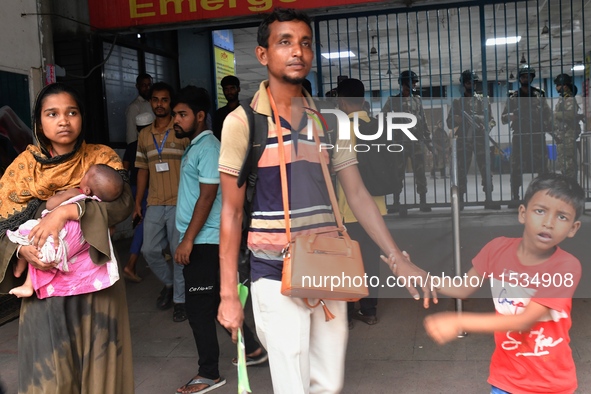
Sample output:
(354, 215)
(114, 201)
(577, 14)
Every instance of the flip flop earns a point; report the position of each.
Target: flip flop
(256, 360)
(212, 384)
(131, 277)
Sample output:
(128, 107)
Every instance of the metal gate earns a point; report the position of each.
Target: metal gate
(493, 39)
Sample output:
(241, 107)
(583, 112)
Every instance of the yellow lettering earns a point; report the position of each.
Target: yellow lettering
(134, 8)
(212, 5)
(177, 6)
(232, 4)
(192, 6)
(260, 5)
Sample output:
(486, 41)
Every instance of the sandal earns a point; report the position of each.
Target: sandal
(197, 380)
(253, 360)
(131, 277)
(179, 313)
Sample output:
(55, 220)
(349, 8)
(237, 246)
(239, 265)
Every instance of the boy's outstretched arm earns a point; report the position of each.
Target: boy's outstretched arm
(471, 281)
(445, 327)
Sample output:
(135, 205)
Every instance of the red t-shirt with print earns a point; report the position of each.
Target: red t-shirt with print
(540, 359)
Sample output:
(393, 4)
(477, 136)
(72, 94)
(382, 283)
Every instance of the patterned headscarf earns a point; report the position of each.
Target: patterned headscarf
(35, 175)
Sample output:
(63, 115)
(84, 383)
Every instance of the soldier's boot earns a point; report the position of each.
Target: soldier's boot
(514, 203)
(490, 204)
(461, 201)
(396, 206)
(423, 203)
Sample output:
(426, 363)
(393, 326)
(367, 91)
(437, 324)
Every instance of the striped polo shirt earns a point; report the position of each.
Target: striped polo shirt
(310, 208)
(163, 186)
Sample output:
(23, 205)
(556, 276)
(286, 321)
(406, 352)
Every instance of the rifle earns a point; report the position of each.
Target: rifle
(471, 122)
(477, 126)
(429, 145)
(556, 138)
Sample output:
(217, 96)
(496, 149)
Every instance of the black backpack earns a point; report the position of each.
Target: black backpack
(376, 166)
(257, 140)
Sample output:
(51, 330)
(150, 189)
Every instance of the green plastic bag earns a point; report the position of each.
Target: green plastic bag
(243, 383)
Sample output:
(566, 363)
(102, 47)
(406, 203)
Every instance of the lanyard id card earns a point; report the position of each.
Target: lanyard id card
(161, 166)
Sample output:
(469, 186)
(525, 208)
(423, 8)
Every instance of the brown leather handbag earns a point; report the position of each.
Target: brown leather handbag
(319, 265)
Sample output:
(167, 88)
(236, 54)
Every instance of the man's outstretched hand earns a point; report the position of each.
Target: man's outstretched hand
(414, 277)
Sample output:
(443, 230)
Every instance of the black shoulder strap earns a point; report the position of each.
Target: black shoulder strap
(257, 140)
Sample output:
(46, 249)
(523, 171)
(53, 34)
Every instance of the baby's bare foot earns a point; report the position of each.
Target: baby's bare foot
(22, 291)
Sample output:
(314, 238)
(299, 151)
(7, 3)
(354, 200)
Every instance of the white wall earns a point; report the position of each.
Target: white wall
(19, 37)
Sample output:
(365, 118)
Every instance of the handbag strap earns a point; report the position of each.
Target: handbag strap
(283, 171)
(282, 167)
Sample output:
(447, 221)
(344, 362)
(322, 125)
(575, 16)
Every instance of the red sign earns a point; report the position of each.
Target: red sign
(114, 14)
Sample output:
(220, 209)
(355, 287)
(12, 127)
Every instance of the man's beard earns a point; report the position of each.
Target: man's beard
(180, 133)
(294, 81)
(159, 114)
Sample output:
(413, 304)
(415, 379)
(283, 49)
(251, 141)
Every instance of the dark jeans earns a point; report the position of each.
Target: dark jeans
(202, 299)
(371, 260)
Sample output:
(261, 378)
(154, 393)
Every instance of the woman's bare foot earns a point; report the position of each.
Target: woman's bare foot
(22, 291)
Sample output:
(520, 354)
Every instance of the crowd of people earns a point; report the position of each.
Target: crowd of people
(61, 197)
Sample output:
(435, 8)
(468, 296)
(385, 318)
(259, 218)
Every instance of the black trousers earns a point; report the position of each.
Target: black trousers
(202, 299)
(371, 260)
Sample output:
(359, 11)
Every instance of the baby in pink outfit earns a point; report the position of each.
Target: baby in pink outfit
(75, 273)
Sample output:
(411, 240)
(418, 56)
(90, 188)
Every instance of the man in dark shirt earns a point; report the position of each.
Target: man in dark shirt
(231, 87)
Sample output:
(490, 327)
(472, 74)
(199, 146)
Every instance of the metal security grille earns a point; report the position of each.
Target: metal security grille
(438, 43)
(122, 67)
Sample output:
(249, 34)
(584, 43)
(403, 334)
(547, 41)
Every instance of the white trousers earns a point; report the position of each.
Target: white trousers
(306, 353)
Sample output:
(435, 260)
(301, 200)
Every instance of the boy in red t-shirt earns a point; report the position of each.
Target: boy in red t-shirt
(532, 284)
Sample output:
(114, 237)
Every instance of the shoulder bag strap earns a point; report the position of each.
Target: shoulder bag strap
(283, 172)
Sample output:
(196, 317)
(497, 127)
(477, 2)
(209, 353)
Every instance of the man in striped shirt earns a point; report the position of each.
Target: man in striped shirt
(306, 353)
(158, 159)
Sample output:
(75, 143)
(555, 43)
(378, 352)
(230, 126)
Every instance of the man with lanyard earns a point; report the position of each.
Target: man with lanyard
(158, 159)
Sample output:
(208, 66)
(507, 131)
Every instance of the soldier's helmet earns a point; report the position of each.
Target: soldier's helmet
(408, 76)
(468, 75)
(563, 79)
(526, 69)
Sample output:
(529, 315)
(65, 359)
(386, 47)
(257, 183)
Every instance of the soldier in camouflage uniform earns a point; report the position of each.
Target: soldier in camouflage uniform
(530, 117)
(441, 150)
(566, 125)
(407, 101)
(468, 116)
